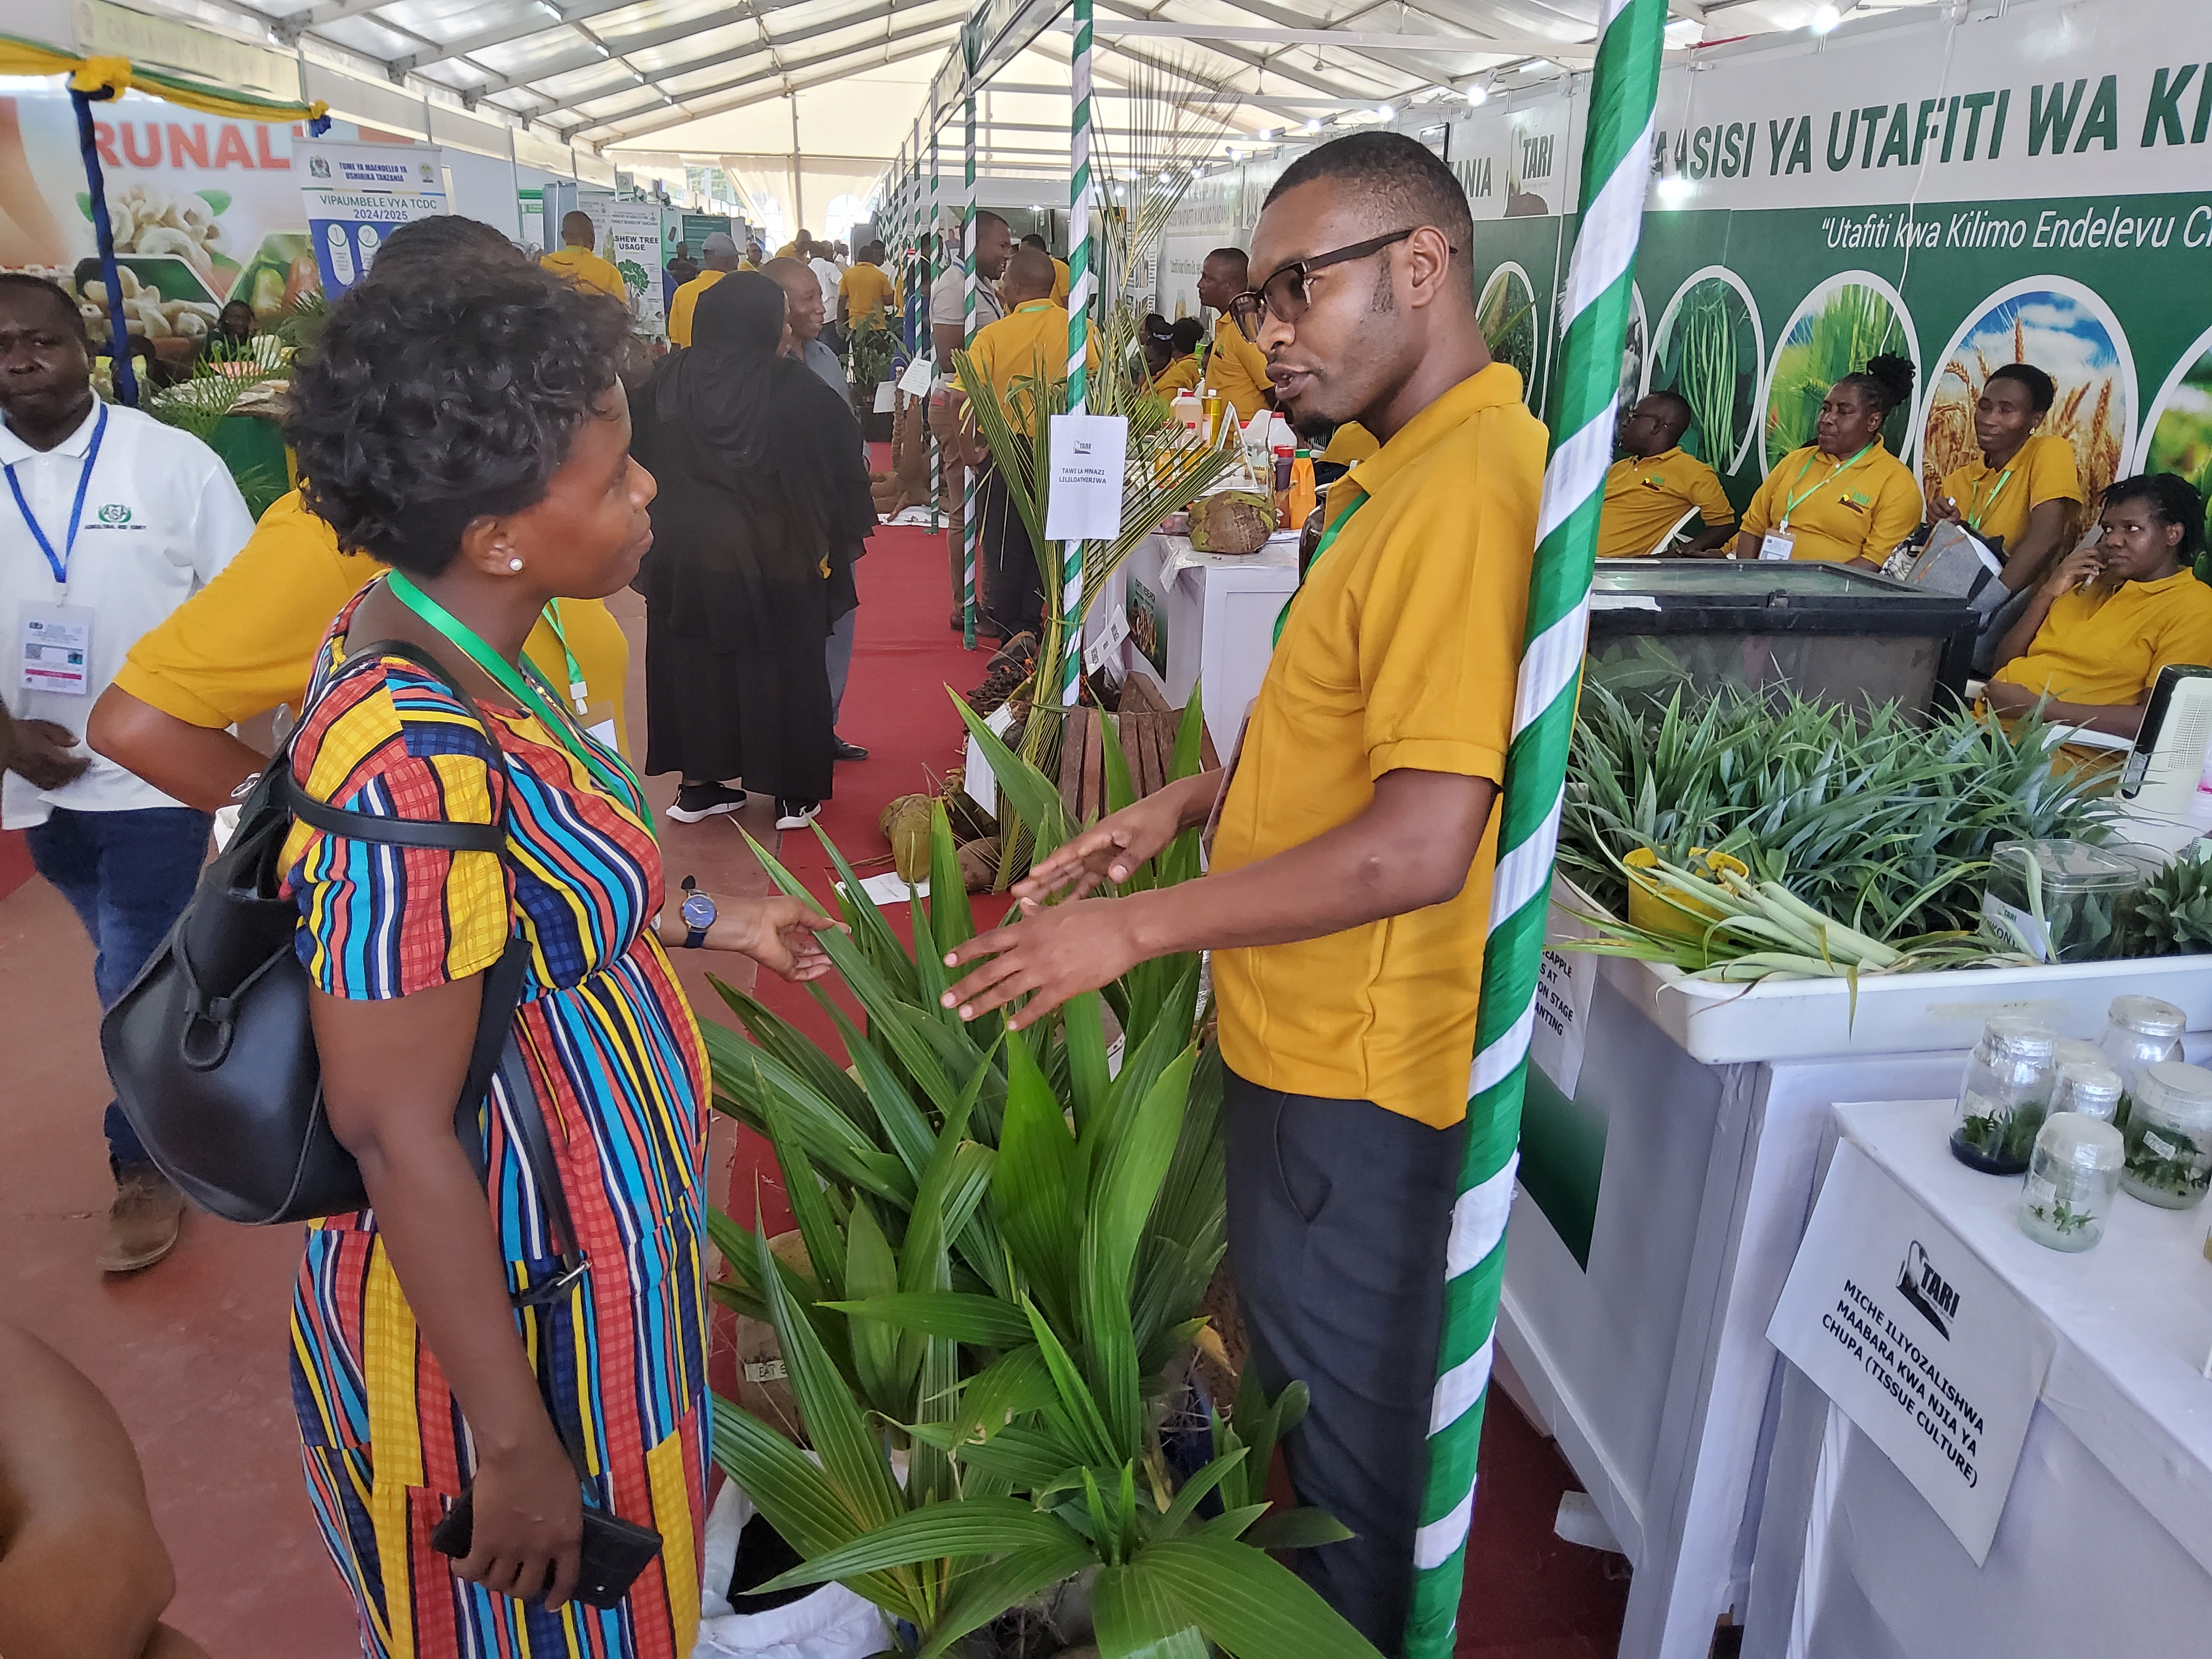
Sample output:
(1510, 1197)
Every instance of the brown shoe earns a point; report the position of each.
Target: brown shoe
(143, 1221)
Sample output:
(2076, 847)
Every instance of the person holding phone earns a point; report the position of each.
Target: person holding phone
(2111, 615)
(467, 428)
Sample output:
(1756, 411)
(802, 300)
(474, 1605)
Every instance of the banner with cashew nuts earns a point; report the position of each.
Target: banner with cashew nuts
(205, 210)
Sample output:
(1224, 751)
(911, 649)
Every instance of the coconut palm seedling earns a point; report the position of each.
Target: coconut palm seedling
(1007, 1240)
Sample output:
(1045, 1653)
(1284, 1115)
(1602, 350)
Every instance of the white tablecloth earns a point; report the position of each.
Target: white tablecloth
(2104, 1548)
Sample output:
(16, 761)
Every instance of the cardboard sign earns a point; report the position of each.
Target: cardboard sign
(1918, 1341)
(1088, 453)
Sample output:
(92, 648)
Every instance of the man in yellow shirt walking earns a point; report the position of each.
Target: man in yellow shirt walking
(1657, 484)
(1349, 886)
(865, 290)
(720, 254)
(576, 261)
(1236, 368)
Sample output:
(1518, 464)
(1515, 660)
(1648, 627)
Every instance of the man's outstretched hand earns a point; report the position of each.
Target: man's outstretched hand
(1109, 851)
(1048, 955)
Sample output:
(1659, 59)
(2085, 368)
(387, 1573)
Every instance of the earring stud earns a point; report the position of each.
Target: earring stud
(514, 564)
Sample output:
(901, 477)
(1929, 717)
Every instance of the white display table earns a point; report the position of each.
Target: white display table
(2105, 1546)
(1208, 619)
(1660, 1207)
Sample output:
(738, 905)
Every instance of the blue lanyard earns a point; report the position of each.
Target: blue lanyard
(59, 564)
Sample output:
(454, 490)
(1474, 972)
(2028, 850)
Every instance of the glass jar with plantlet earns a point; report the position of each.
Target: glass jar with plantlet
(2087, 1088)
(2072, 1179)
(2139, 1031)
(2169, 1136)
(2004, 1096)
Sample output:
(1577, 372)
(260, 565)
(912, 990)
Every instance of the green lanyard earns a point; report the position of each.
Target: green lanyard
(579, 693)
(1804, 496)
(1974, 518)
(503, 674)
(1328, 540)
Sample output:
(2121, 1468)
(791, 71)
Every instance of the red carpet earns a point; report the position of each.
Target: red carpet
(15, 861)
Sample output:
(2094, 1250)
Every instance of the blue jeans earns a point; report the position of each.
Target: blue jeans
(128, 876)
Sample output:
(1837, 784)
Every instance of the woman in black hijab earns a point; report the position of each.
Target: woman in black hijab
(761, 477)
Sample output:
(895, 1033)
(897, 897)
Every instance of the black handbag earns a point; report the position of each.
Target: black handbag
(210, 1051)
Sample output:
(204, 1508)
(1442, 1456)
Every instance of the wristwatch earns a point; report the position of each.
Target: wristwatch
(698, 914)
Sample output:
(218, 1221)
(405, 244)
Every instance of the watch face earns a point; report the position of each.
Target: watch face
(698, 910)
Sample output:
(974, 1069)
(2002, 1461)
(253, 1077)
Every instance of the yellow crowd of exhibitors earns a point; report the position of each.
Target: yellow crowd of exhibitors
(866, 290)
(248, 640)
(1031, 337)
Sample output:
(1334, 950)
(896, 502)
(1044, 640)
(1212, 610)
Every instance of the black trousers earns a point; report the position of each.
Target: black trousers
(1011, 596)
(1338, 1214)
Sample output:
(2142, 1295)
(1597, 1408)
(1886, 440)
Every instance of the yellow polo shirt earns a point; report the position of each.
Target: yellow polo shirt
(1062, 282)
(1644, 498)
(1348, 443)
(1238, 370)
(1995, 502)
(684, 301)
(584, 268)
(248, 640)
(1861, 512)
(1032, 339)
(1399, 650)
(1181, 376)
(864, 289)
(2100, 647)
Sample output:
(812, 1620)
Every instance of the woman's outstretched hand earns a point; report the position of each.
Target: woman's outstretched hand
(779, 934)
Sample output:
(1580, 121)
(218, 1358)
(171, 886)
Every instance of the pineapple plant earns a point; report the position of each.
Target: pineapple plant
(2171, 915)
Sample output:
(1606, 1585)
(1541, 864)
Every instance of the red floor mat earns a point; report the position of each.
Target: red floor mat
(15, 861)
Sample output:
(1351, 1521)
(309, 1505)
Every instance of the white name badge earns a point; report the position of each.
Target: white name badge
(1776, 544)
(54, 649)
(605, 732)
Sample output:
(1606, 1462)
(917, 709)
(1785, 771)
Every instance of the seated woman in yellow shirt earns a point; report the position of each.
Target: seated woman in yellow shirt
(2024, 495)
(1843, 497)
(2098, 630)
(1180, 370)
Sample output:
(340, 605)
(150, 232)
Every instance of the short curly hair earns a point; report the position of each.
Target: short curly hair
(430, 402)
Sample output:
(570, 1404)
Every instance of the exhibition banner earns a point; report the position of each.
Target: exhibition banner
(356, 195)
(204, 211)
(627, 235)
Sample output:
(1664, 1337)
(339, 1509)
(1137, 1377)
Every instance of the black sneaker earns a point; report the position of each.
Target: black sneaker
(796, 814)
(846, 751)
(695, 801)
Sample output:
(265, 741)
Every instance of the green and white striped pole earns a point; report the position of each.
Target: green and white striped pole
(970, 530)
(933, 266)
(1616, 172)
(1079, 338)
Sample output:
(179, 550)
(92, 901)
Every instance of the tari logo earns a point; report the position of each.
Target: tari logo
(115, 513)
(1927, 1290)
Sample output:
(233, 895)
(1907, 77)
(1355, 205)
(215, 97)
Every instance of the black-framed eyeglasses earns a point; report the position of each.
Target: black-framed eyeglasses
(1284, 293)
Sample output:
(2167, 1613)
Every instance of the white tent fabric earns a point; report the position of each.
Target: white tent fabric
(767, 79)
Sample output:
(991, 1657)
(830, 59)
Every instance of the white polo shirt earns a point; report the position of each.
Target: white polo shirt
(161, 518)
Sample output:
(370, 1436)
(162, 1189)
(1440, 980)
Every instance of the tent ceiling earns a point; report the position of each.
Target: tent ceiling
(848, 77)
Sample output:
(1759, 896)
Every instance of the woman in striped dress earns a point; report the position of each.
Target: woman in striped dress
(467, 428)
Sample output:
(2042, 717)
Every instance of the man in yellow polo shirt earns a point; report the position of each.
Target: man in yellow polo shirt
(719, 253)
(1060, 279)
(1655, 482)
(576, 261)
(1236, 368)
(1030, 340)
(1348, 895)
(864, 289)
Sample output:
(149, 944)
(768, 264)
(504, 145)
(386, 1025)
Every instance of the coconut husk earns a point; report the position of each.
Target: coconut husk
(905, 823)
(979, 863)
(1236, 521)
